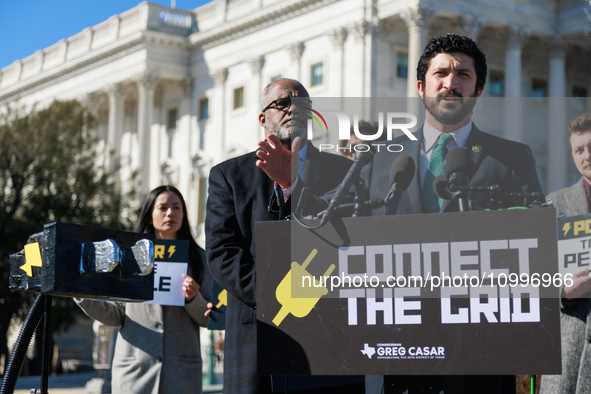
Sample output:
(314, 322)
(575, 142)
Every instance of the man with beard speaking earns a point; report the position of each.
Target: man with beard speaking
(450, 78)
(255, 187)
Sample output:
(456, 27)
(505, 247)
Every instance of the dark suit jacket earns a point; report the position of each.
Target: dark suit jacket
(239, 195)
(497, 161)
(575, 319)
(508, 164)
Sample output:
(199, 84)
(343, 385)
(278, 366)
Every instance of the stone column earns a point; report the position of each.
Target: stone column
(417, 21)
(185, 133)
(515, 39)
(295, 51)
(216, 133)
(254, 107)
(337, 38)
(146, 83)
(115, 124)
(89, 100)
(558, 146)
(355, 87)
(115, 93)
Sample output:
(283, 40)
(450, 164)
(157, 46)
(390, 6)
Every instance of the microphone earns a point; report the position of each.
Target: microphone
(401, 174)
(361, 160)
(458, 168)
(440, 187)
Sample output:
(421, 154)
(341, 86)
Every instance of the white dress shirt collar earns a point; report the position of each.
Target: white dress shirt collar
(431, 134)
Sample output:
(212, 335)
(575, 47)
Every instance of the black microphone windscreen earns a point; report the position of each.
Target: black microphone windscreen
(402, 171)
(458, 160)
(440, 187)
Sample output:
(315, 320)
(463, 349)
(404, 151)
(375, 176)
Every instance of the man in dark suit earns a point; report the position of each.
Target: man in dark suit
(251, 188)
(451, 75)
(575, 319)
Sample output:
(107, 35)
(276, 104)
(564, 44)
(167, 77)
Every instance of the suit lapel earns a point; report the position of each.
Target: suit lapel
(312, 165)
(265, 191)
(474, 146)
(415, 187)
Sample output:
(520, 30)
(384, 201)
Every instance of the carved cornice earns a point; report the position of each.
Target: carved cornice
(52, 78)
(338, 37)
(470, 25)
(255, 22)
(147, 79)
(388, 27)
(359, 29)
(256, 64)
(420, 16)
(219, 76)
(556, 46)
(295, 50)
(114, 90)
(515, 36)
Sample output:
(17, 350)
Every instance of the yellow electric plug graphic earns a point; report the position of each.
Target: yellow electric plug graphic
(307, 296)
(223, 299)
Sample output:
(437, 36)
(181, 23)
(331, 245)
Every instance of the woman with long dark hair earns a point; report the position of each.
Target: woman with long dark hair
(158, 347)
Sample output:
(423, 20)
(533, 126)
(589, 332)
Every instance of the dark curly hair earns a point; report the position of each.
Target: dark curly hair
(145, 226)
(452, 42)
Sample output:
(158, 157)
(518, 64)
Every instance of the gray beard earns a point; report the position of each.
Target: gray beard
(285, 134)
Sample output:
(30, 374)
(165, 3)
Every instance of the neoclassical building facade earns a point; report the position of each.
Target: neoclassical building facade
(176, 91)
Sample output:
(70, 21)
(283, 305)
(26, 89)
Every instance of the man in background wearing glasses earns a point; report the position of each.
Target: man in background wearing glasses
(256, 187)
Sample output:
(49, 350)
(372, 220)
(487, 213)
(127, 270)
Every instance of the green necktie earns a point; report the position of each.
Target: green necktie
(432, 203)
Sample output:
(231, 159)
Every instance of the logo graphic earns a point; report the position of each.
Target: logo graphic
(387, 122)
(316, 119)
(565, 228)
(299, 307)
(368, 350)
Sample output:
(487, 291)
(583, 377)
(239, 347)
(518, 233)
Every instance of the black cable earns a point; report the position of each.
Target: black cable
(23, 341)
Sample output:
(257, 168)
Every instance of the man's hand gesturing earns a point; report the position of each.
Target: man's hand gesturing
(280, 164)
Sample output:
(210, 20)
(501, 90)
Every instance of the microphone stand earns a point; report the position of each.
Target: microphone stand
(458, 185)
(495, 195)
(358, 209)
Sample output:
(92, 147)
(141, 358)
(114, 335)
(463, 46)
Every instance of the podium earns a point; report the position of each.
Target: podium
(398, 313)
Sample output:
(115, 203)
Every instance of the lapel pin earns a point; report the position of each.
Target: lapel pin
(477, 148)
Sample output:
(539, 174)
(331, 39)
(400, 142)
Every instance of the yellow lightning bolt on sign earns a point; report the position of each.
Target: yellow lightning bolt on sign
(566, 228)
(171, 250)
(32, 258)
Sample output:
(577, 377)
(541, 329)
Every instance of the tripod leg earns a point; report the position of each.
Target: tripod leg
(45, 357)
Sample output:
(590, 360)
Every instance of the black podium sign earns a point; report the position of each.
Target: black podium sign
(442, 294)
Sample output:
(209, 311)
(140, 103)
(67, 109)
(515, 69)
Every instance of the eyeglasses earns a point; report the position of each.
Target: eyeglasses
(285, 102)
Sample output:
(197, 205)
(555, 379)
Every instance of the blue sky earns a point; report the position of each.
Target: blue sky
(29, 25)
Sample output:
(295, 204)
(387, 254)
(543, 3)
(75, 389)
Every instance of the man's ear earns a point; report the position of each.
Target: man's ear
(262, 119)
(479, 92)
(420, 88)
